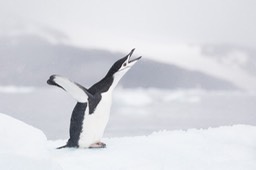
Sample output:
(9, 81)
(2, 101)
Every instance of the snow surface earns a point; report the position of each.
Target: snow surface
(222, 148)
(23, 147)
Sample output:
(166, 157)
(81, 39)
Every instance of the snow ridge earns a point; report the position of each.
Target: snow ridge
(222, 148)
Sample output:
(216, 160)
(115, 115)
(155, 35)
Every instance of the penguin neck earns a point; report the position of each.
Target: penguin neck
(102, 86)
(111, 81)
(108, 83)
(117, 77)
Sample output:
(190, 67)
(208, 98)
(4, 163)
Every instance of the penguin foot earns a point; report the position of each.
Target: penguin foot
(97, 145)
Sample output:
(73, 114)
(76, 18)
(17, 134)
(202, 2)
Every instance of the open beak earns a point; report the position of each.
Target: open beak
(133, 61)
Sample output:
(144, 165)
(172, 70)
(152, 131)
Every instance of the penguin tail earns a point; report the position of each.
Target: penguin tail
(61, 147)
(77, 91)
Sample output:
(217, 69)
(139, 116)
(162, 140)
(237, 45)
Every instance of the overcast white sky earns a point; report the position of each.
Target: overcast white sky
(107, 23)
(157, 28)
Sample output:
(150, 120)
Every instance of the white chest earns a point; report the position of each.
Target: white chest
(95, 124)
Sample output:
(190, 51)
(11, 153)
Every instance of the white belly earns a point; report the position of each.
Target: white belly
(95, 124)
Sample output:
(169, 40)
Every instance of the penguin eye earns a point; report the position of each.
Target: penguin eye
(124, 64)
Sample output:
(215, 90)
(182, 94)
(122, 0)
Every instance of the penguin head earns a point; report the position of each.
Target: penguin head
(121, 66)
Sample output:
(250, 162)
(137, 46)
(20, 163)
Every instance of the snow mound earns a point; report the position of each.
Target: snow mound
(221, 148)
(23, 146)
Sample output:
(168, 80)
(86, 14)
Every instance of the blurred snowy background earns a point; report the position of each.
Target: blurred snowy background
(198, 68)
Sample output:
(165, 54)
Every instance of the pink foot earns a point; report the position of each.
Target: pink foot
(97, 145)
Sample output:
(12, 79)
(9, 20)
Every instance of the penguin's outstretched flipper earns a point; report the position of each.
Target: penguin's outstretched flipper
(77, 91)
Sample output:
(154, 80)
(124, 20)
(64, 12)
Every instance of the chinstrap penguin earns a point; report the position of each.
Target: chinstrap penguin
(91, 113)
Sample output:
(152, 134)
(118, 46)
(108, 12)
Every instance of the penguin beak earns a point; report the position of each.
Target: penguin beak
(133, 61)
(127, 63)
(123, 64)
